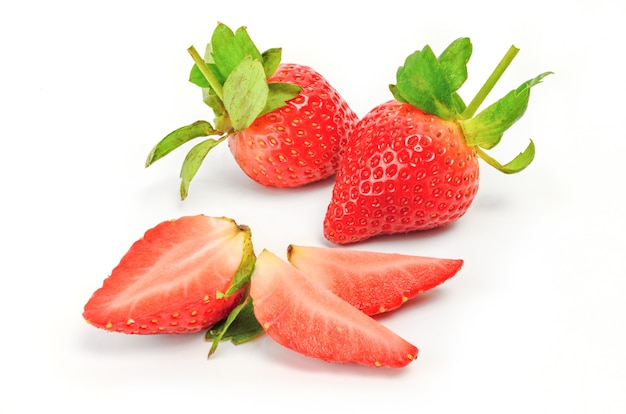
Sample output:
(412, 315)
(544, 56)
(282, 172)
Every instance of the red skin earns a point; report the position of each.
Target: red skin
(301, 142)
(403, 170)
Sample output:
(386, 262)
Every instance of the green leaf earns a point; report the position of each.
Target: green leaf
(244, 272)
(521, 161)
(458, 102)
(271, 59)
(213, 81)
(486, 128)
(396, 94)
(245, 93)
(229, 49)
(534, 81)
(240, 326)
(192, 162)
(222, 122)
(279, 94)
(178, 137)
(423, 83)
(453, 61)
(197, 78)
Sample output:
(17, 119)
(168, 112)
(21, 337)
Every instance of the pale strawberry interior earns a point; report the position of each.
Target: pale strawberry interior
(302, 315)
(198, 268)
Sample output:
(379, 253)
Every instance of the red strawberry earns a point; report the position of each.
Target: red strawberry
(183, 276)
(373, 282)
(412, 163)
(300, 142)
(304, 316)
(285, 124)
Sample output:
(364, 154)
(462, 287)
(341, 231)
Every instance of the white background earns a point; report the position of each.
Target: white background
(534, 322)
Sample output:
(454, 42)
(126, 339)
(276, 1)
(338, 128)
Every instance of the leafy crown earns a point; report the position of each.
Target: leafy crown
(431, 84)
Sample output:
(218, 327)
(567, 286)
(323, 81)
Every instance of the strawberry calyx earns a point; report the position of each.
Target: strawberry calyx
(233, 76)
(431, 83)
(242, 276)
(240, 325)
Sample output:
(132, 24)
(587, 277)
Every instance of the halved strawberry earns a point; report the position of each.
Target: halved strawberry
(306, 317)
(373, 282)
(183, 276)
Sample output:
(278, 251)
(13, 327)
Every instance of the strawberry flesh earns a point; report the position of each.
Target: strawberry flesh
(304, 316)
(373, 282)
(168, 282)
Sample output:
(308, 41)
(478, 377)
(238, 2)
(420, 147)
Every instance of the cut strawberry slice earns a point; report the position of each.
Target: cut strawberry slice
(183, 276)
(373, 282)
(304, 316)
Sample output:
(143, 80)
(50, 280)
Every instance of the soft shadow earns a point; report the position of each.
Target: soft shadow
(294, 360)
(103, 342)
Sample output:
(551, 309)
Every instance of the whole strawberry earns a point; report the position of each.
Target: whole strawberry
(300, 142)
(285, 124)
(412, 163)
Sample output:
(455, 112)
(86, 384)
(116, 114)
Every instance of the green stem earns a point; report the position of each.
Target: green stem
(471, 109)
(204, 69)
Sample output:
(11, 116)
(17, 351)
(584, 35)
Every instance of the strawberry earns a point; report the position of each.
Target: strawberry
(298, 143)
(412, 163)
(373, 282)
(182, 276)
(304, 316)
(285, 124)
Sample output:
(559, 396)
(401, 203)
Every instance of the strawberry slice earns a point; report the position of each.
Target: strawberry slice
(183, 276)
(373, 282)
(304, 316)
